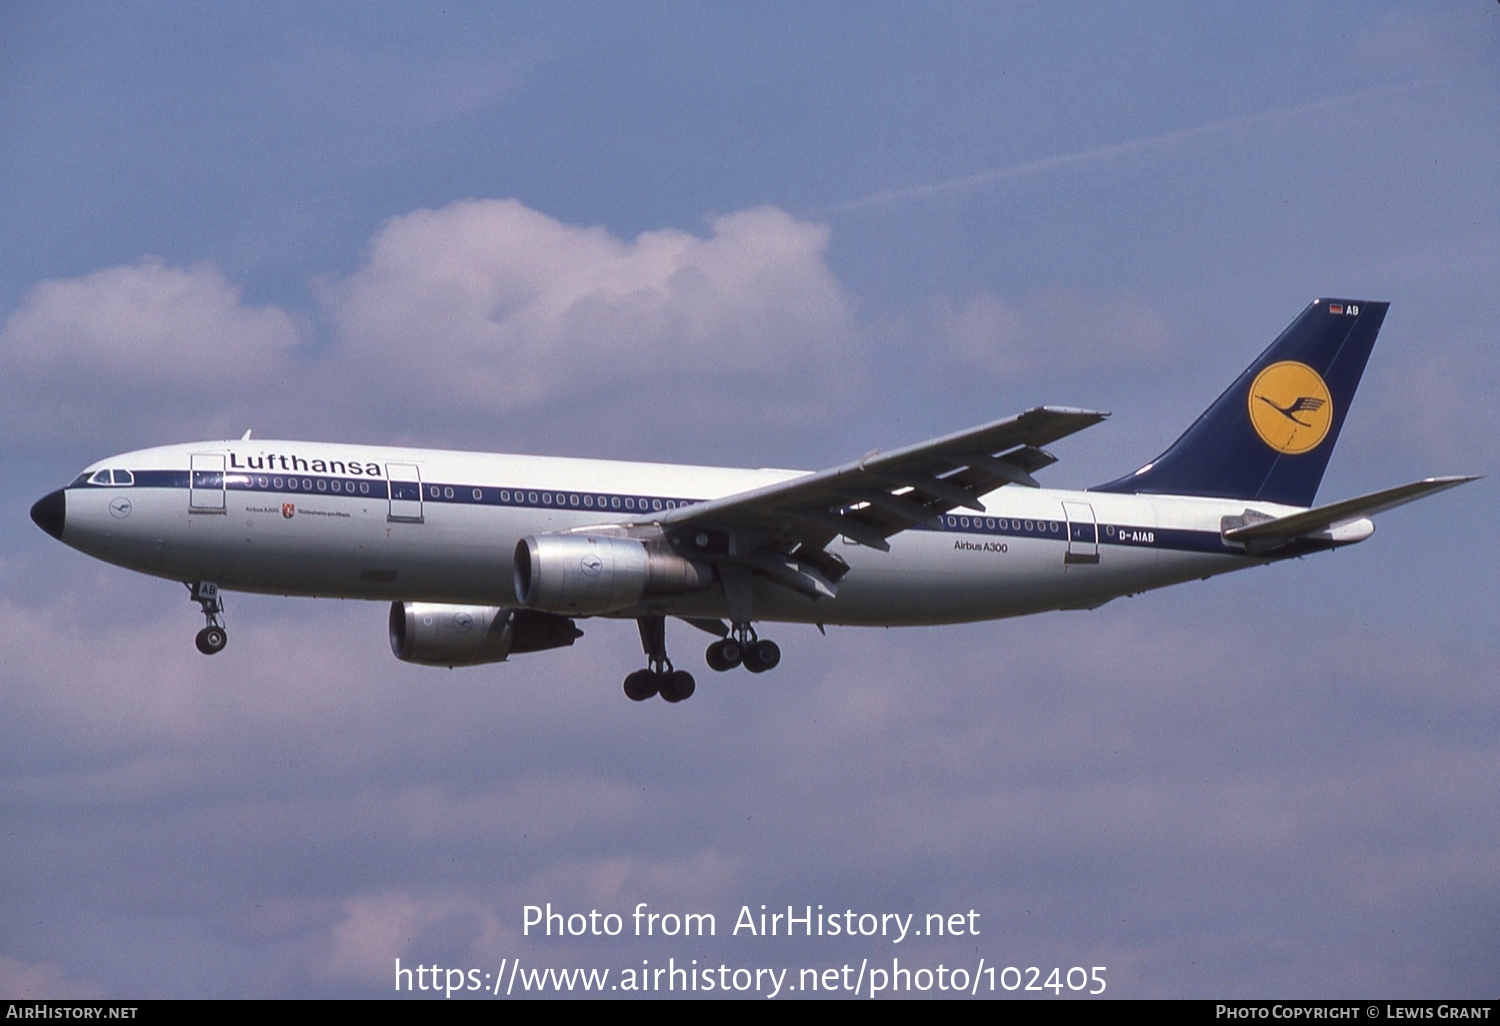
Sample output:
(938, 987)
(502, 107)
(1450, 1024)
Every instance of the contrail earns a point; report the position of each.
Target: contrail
(1001, 174)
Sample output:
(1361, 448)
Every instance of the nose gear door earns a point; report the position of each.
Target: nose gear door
(1083, 533)
(206, 482)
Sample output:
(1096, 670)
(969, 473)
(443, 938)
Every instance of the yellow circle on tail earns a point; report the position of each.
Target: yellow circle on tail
(1290, 407)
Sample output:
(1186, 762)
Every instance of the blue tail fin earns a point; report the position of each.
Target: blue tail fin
(1270, 434)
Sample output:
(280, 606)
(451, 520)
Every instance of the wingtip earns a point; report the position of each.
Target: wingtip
(1073, 411)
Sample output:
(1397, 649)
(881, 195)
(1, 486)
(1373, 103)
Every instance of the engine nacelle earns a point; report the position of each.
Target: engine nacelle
(439, 635)
(585, 575)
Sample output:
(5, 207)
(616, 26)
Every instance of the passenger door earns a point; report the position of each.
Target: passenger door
(1083, 533)
(206, 482)
(406, 492)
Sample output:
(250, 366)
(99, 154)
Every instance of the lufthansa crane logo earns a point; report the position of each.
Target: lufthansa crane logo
(1290, 407)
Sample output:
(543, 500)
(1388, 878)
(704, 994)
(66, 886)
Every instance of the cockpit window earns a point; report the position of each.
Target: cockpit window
(104, 477)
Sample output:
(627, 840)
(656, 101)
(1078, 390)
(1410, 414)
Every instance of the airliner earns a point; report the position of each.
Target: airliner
(485, 556)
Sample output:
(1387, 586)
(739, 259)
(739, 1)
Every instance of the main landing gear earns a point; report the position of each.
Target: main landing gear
(740, 648)
(211, 639)
(743, 648)
(659, 678)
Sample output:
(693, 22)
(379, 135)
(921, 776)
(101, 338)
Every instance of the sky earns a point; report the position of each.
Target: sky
(765, 235)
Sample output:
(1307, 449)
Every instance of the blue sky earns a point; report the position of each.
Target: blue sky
(885, 221)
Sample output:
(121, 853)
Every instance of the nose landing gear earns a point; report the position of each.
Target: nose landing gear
(212, 638)
(659, 678)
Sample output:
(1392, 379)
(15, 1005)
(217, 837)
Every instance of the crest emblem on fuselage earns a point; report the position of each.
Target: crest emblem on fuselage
(1291, 408)
(289, 509)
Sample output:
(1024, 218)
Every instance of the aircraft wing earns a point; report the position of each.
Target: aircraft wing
(1263, 535)
(782, 529)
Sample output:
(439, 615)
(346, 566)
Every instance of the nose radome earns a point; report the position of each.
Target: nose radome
(50, 512)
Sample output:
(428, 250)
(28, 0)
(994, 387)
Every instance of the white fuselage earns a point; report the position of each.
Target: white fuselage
(303, 518)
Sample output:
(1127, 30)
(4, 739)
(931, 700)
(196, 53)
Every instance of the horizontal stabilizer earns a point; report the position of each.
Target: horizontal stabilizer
(1267, 534)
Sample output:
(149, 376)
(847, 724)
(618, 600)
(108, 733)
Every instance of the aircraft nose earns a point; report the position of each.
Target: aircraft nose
(50, 512)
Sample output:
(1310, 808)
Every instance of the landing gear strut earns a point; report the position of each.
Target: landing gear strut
(659, 678)
(743, 648)
(211, 639)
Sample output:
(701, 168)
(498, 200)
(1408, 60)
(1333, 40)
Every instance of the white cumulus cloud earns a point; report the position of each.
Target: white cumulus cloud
(494, 306)
(140, 341)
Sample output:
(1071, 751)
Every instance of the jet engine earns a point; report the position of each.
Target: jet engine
(438, 635)
(585, 575)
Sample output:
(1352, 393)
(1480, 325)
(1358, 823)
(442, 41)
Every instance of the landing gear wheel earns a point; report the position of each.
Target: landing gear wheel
(677, 685)
(641, 685)
(724, 655)
(762, 656)
(211, 640)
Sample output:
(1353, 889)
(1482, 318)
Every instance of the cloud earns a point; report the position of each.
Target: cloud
(28, 981)
(478, 314)
(316, 809)
(138, 342)
(376, 929)
(496, 307)
(1053, 332)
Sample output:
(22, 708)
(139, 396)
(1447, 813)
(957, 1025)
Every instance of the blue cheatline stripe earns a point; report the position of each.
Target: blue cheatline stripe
(378, 488)
(323, 485)
(1125, 535)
